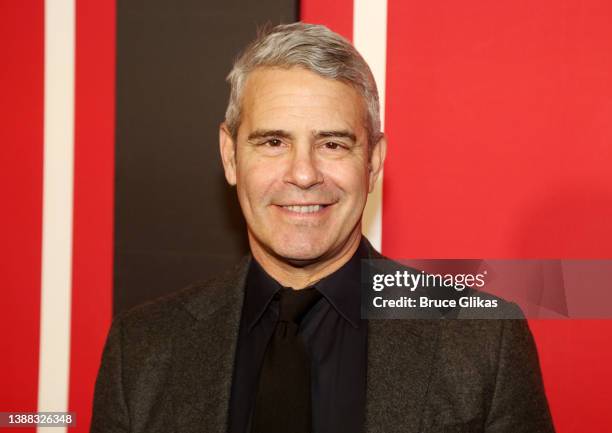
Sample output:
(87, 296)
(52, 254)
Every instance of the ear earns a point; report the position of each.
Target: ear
(377, 160)
(227, 147)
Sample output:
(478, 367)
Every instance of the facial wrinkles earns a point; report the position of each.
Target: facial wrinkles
(296, 103)
(285, 191)
(319, 189)
(300, 112)
(281, 193)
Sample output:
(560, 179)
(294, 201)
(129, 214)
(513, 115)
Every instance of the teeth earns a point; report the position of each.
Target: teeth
(304, 209)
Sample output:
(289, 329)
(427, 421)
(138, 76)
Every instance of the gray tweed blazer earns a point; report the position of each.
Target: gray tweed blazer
(167, 367)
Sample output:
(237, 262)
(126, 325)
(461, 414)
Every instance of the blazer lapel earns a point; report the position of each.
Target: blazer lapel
(204, 354)
(400, 354)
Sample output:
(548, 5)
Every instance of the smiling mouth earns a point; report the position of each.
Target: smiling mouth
(313, 208)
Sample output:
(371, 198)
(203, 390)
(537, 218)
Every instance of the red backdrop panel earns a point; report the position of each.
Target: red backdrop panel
(94, 145)
(21, 168)
(21, 180)
(337, 15)
(499, 123)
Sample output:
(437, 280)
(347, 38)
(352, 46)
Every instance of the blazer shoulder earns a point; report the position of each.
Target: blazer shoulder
(195, 301)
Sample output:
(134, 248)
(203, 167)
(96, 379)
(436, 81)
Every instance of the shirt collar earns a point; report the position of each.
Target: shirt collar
(342, 289)
(260, 289)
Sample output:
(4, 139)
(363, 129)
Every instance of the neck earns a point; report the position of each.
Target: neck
(288, 274)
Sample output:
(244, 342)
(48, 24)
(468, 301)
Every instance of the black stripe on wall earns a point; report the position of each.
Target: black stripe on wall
(176, 220)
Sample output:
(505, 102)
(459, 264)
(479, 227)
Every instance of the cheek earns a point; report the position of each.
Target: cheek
(351, 178)
(255, 180)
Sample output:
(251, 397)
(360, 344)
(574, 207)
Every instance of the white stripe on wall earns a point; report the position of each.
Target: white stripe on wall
(370, 38)
(54, 367)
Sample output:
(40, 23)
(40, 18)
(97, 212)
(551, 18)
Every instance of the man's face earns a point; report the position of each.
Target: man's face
(300, 163)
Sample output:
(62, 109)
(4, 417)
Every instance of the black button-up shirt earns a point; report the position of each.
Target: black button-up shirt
(335, 338)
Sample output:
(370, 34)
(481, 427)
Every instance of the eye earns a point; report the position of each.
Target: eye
(332, 145)
(273, 142)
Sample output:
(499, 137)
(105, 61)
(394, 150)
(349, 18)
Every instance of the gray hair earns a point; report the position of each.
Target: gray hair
(315, 48)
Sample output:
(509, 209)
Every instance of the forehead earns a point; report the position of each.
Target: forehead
(300, 98)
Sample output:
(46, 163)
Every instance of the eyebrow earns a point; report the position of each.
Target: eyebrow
(263, 133)
(336, 134)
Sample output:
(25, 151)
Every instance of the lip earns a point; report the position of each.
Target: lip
(304, 204)
(324, 210)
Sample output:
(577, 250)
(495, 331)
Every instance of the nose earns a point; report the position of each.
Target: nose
(303, 170)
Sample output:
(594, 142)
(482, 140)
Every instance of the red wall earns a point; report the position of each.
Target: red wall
(22, 92)
(21, 138)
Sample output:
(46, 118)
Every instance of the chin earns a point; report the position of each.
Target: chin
(299, 251)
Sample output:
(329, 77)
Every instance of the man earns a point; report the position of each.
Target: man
(279, 345)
